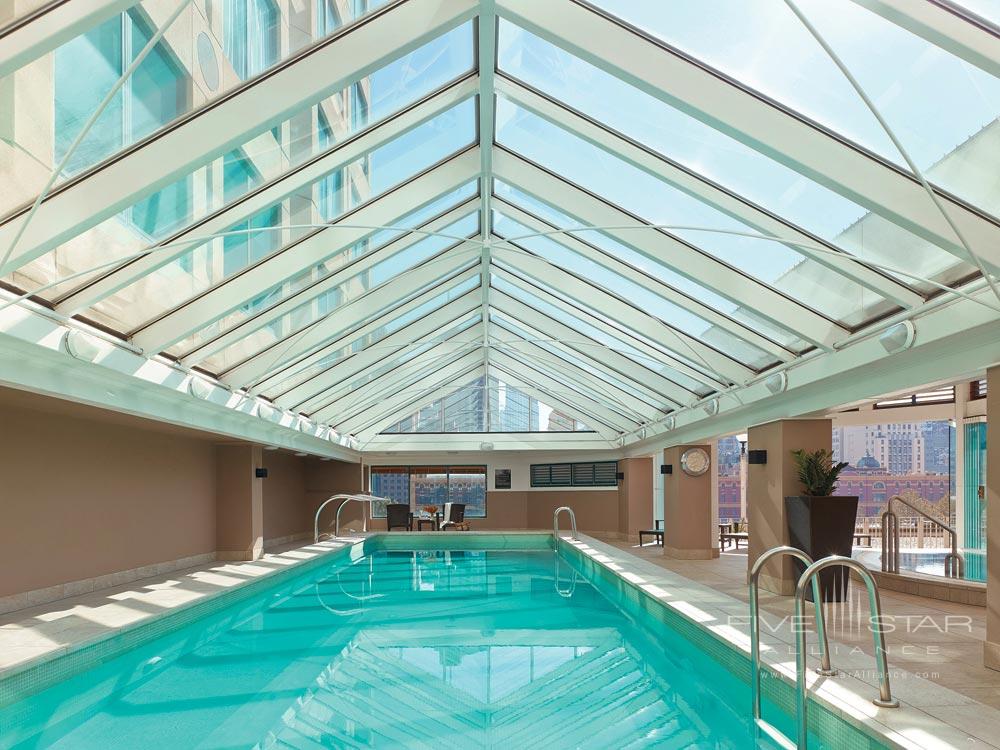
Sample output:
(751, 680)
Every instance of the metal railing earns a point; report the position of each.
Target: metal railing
(954, 563)
(572, 520)
(810, 577)
(825, 668)
(346, 498)
(885, 699)
(566, 593)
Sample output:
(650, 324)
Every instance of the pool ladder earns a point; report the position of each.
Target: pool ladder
(572, 520)
(810, 577)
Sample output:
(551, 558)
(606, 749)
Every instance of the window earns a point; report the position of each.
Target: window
(937, 396)
(155, 94)
(977, 389)
(418, 486)
(251, 33)
(590, 474)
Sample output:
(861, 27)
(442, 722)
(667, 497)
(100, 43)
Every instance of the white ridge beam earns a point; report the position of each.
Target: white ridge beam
(672, 77)
(313, 74)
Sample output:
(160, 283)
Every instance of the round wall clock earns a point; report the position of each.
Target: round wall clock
(695, 461)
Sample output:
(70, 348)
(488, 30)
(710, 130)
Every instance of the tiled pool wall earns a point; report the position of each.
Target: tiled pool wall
(830, 728)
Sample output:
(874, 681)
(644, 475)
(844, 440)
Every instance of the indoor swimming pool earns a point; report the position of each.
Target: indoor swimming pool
(414, 648)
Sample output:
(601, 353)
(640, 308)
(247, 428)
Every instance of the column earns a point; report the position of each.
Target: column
(688, 520)
(767, 486)
(239, 502)
(635, 496)
(991, 648)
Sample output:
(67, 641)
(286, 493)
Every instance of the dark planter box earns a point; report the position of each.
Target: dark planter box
(820, 527)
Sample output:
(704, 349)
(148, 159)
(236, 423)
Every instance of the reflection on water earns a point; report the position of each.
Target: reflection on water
(420, 649)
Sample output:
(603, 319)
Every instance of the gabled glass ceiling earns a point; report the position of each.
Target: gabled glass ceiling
(574, 231)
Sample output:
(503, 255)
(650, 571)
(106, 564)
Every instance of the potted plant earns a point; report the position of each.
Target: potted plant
(819, 523)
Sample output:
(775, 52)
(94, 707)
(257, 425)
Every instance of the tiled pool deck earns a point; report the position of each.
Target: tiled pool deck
(949, 699)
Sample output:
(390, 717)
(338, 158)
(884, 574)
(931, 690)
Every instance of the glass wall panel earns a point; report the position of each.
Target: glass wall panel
(723, 160)
(659, 203)
(934, 102)
(420, 486)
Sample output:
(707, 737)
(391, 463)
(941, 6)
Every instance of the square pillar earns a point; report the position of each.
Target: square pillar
(635, 496)
(767, 486)
(991, 648)
(239, 502)
(688, 518)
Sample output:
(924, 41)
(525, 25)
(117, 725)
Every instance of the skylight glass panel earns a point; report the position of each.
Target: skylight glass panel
(601, 339)
(626, 290)
(657, 202)
(988, 10)
(648, 265)
(329, 302)
(724, 160)
(603, 372)
(932, 100)
(269, 154)
(210, 49)
(483, 405)
(284, 381)
(210, 264)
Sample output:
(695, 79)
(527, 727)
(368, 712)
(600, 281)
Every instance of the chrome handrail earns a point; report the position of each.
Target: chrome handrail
(572, 520)
(885, 699)
(954, 563)
(346, 499)
(825, 668)
(564, 593)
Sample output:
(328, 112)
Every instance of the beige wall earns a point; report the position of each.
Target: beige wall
(239, 520)
(324, 479)
(635, 496)
(688, 519)
(768, 485)
(286, 512)
(82, 497)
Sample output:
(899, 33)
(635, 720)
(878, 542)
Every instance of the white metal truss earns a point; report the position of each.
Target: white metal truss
(423, 331)
(230, 120)
(673, 77)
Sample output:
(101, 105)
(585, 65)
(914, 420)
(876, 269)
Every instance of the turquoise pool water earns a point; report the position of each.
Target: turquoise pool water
(402, 649)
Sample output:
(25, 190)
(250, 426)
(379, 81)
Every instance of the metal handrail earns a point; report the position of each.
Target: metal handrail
(825, 668)
(954, 563)
(346, 499)
(564, 593)
(885, 699)
(572, 520)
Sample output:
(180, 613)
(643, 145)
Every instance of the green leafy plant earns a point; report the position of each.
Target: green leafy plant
(817, 471)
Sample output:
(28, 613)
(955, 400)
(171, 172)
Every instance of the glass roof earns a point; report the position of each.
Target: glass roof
(476, 220)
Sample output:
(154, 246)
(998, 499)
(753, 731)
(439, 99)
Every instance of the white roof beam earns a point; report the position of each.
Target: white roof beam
(333, 280)
(647, 282)
(704, 189)
(289, 183)
(667, 249)
(487, 51)
(614, 308)
(429, 395)
(227, 121)
(945, 26)
(215, 303)
(53, 25)
(266, 371)
(655, 387)
(621, 335)
(305, 396)
(662, 72)
(396, 403)
(406, 376)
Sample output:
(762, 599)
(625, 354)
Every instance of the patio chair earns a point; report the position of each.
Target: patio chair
(398, 516)
(656, 533)
(454, 517)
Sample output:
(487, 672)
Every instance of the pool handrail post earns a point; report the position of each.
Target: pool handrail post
(885, 699)
(954, 562)
(825, 668)
(346, 498)
(572, 520)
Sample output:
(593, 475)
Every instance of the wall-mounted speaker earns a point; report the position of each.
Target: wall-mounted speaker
(620, 475)
(260, 473)
(756, 457)
(666, 468)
